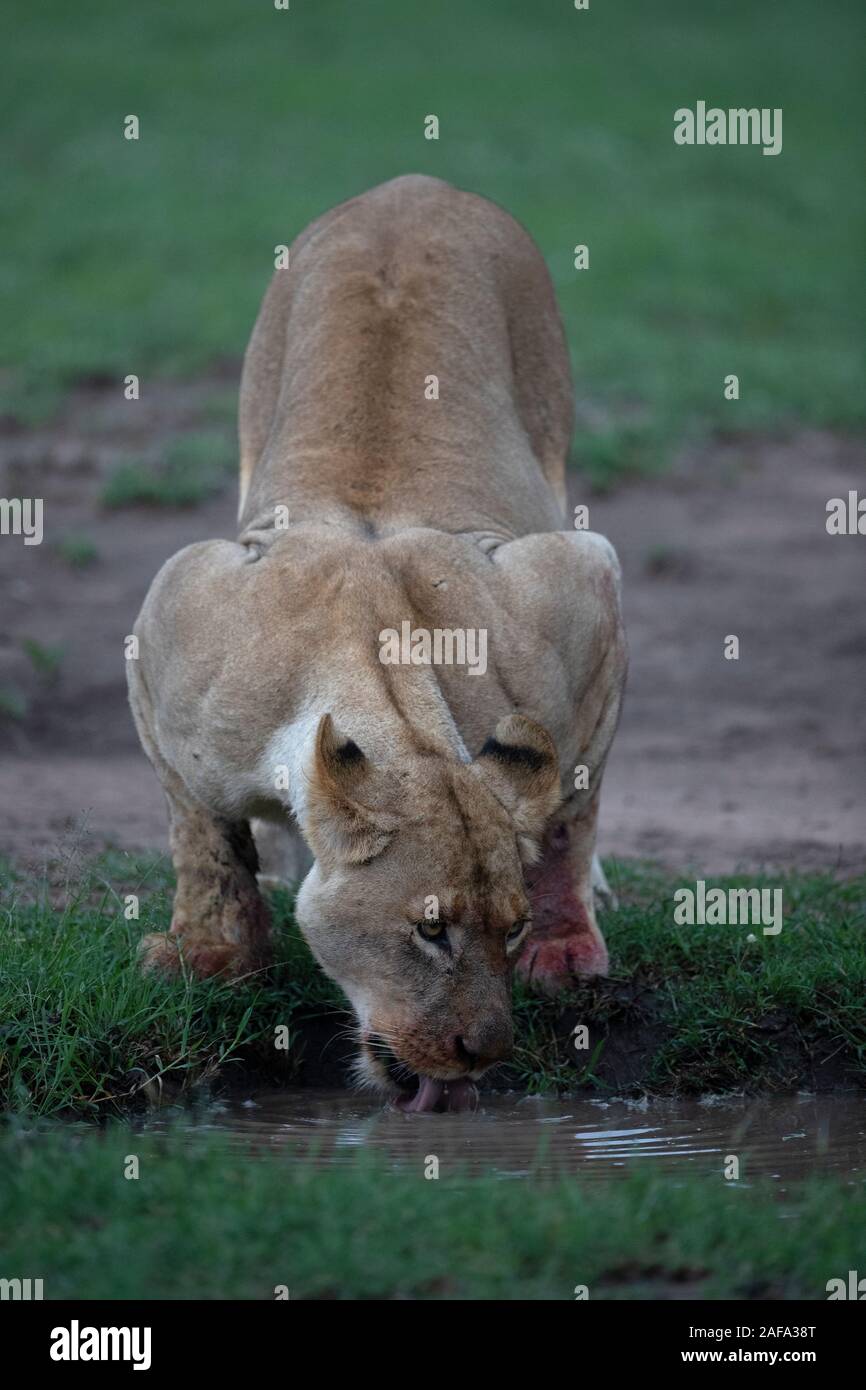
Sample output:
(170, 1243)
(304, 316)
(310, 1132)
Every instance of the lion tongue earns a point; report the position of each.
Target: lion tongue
(461, 1096)
(426, 1098)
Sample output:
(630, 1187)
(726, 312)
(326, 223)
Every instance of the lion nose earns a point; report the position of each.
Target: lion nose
(484, 1044)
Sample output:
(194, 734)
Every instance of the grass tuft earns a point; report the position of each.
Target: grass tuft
(195, 467)
(77, 551)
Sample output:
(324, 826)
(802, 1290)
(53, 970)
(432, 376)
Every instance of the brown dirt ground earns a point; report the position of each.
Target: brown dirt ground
(717, 765)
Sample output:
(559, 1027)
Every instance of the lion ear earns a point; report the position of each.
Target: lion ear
(520, 766)
(339, 827)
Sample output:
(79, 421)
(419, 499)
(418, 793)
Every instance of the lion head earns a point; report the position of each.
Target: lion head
(416, 905)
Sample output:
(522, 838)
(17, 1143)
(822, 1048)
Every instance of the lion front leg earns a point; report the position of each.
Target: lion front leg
(566, 942)
(220, 924)
(586, 626)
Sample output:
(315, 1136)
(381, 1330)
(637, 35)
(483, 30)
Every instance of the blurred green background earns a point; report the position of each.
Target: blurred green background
(152, 256)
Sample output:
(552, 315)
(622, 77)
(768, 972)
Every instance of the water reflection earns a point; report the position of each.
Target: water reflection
(517, 1136)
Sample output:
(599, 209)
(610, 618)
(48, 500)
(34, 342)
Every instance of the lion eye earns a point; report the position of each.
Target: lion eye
(517, 931)
(432, 931)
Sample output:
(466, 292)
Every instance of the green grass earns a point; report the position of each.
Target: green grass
(77, 551)
(203, 1221)
(13, 703)
(195, 467)
(723, 1013)
(82, 1031)
(46, 661)
(702, 261)
(615, 453)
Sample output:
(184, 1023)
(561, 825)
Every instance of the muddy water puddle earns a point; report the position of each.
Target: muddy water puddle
(515, 1136)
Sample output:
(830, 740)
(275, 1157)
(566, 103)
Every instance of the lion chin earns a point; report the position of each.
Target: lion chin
(377, 1069)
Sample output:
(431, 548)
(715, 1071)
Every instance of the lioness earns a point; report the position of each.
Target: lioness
(405, 416)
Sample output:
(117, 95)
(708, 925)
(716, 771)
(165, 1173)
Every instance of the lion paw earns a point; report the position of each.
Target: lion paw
(556, 964)
(167, 954)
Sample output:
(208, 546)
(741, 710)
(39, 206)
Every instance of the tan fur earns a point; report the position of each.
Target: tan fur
(259, 692)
